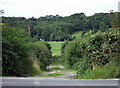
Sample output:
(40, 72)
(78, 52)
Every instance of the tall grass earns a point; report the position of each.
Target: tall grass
(106, 72)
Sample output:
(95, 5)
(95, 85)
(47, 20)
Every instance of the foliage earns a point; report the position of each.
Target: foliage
(15, 55)
(55, 62)
(92, 50)
(63, 46)
(42, 54)
(116, 21)
(59, 28)
(20, 56)
(60, 37)
(105, 72)
(96, 46)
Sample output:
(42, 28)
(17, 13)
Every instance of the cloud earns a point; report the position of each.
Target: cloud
(38, 8)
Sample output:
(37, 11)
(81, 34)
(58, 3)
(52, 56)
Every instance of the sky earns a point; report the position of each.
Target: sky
(38, 8)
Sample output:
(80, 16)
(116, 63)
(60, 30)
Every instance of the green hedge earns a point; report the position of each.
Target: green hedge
(20, 56)
(42, 54)
(92, 50)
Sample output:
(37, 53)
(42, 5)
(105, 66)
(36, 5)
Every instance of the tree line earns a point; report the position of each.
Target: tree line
(58, 28)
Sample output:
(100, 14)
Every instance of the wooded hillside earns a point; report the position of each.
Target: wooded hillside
(58, 28)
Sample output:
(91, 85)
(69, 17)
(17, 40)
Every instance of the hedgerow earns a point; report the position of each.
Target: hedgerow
(20, 56)
(91, 51)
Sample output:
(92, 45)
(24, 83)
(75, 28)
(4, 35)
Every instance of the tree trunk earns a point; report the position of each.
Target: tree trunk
(93, 66)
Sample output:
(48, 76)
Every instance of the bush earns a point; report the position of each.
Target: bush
(42, 54)
(45, 44)
(20, 56)
(16, 52)
(73, 53)
(63, 46)
(91, 51)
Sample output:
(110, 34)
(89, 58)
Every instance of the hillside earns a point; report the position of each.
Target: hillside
(58, 28)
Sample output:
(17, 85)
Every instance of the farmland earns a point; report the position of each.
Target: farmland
(56, 47)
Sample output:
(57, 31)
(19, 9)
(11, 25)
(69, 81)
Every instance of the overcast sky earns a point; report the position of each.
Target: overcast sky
(37, 8)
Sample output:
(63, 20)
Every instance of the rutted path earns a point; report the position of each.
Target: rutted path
(57, 68)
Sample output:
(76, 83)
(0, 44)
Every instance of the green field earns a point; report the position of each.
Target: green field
(77, 34)
(56, 47)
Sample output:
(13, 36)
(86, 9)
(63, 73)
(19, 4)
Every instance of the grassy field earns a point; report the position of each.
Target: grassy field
(56, 47)
(77, 34)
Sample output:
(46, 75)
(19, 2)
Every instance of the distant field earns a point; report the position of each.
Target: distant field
(56, 47)
(77, 34)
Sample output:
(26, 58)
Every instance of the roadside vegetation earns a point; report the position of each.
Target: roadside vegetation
(21, 56)
(89, 45)
(94, 56)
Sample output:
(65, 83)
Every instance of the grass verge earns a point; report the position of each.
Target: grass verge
(106, 72)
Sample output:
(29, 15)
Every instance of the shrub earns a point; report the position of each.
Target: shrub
(89, 52)
(20, 56)
(42, 54)
(63, 46)
(16, 52)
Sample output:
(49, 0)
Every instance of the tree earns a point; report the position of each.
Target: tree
(102, 26)
(116, 21)
(15, 54)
